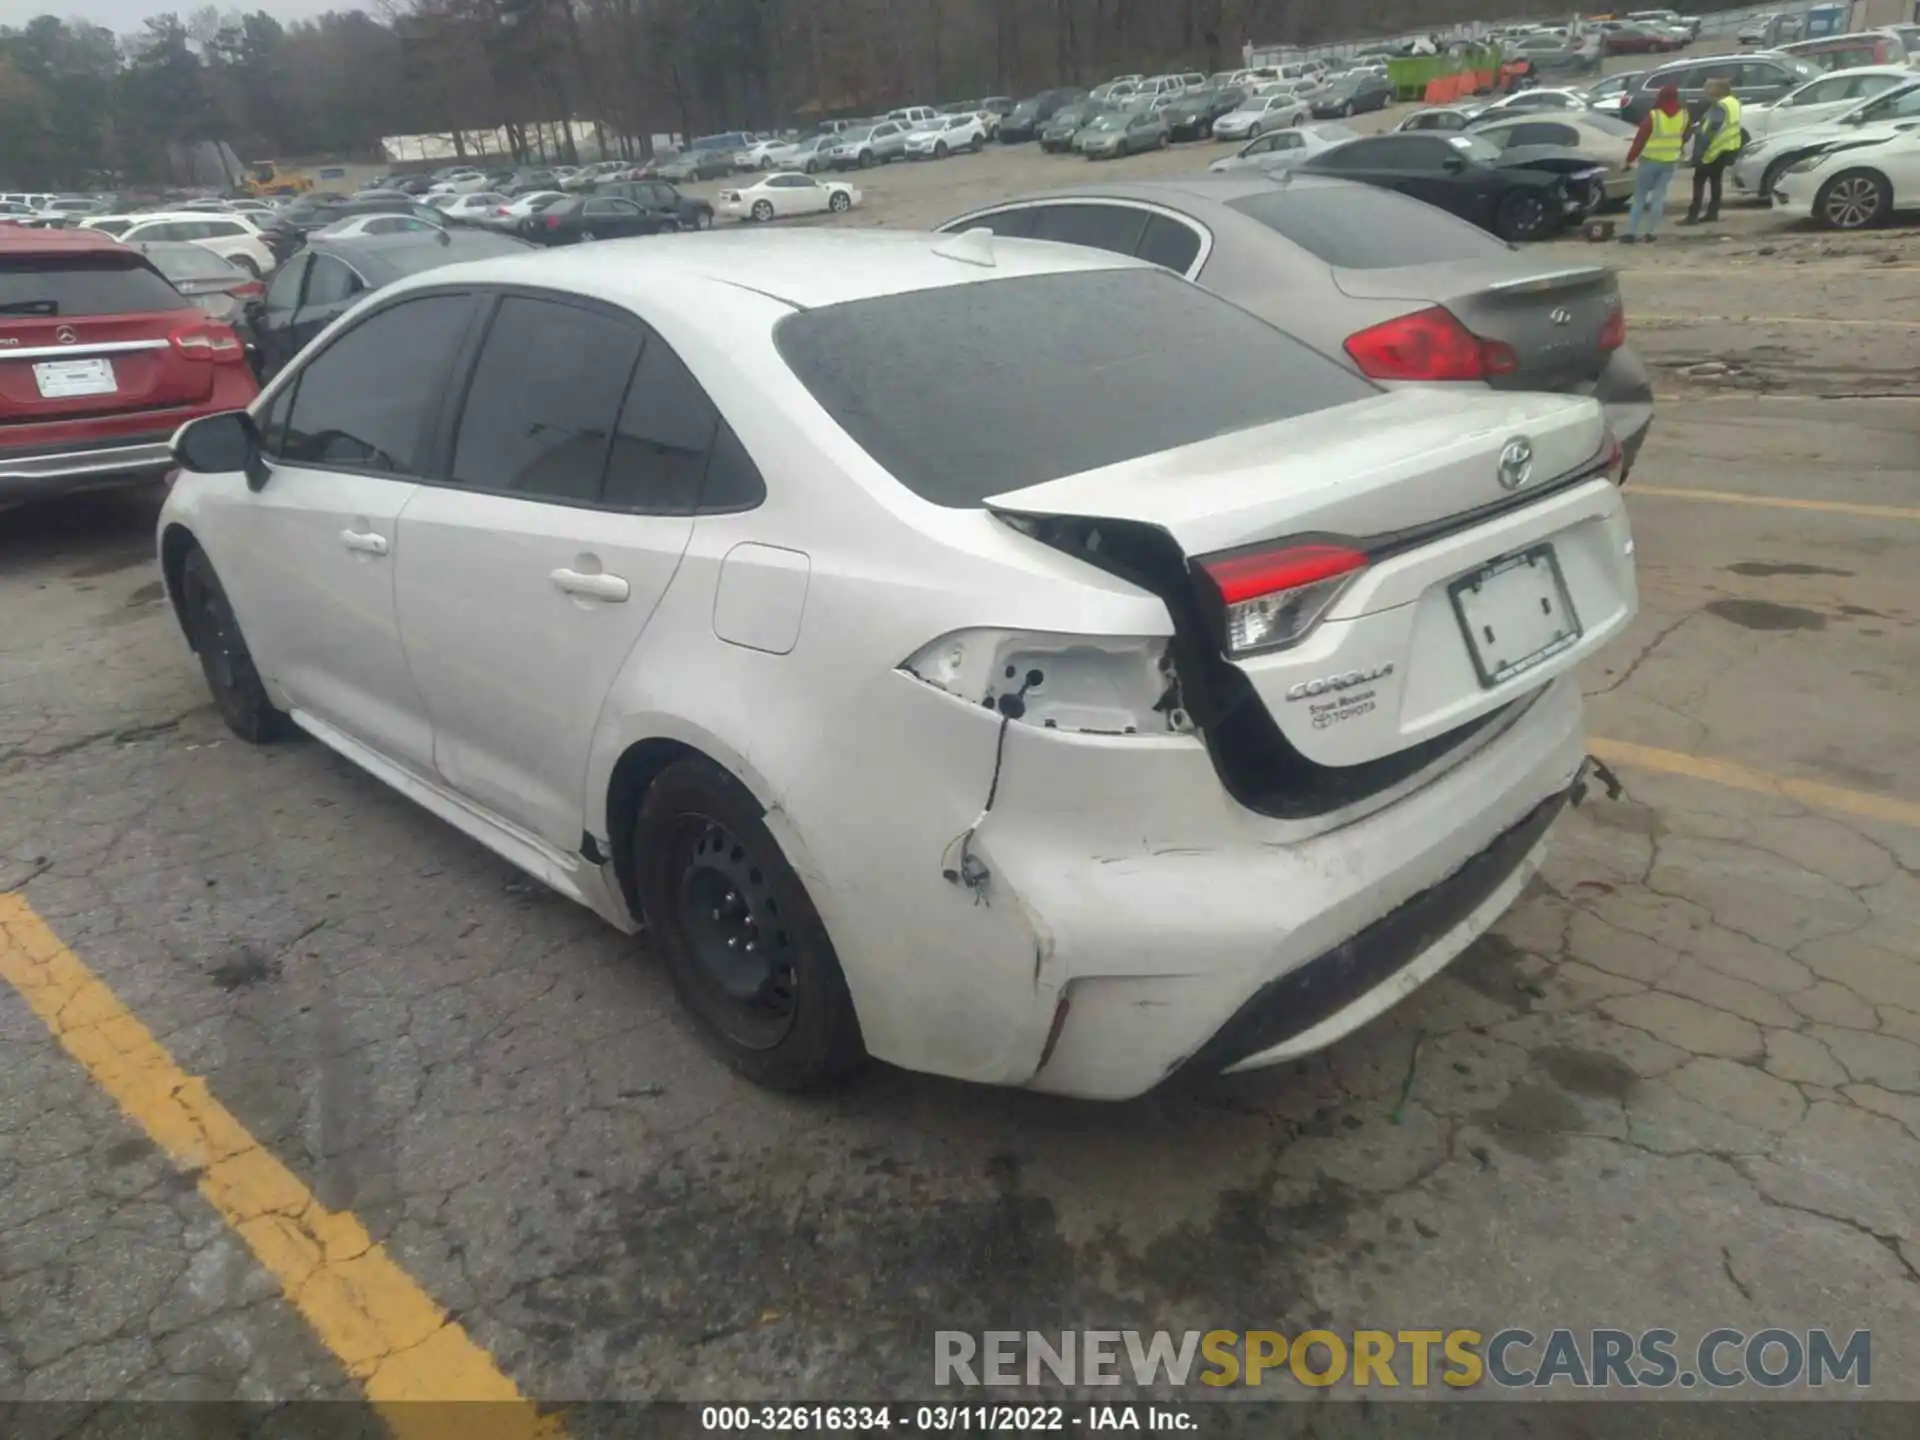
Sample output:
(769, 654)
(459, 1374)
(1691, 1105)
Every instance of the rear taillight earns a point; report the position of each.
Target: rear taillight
(552, 222)
(1429, 344)
(252, 290)
(1616, 462)
(209, 341)
(1272, 597)
(1613, 334)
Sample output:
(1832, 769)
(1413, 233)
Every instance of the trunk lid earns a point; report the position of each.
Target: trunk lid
(1552, 320)
(91, 334)
(1467, 601)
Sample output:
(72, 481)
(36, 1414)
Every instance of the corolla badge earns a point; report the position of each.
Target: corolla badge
(1516, 463)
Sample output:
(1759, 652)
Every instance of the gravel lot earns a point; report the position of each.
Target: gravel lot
(1679, 1086)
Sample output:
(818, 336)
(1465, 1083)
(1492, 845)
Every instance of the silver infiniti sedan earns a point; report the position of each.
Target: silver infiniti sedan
(1396, 290)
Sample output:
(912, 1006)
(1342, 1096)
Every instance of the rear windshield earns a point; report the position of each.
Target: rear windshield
(83, 285)
(429, 254)
(970, 390)
(1361, 227)
(189, 262)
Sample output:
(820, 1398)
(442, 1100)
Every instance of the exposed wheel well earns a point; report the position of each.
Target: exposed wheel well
(633, 775)
(175, 545)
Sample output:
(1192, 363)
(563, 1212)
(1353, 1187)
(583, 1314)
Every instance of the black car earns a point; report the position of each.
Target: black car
(287, 230)
(1350, 94)
(329, 277)
(1526, 195)
(595, 217)
(1023, 122)
(662, 198)
(1191, 117)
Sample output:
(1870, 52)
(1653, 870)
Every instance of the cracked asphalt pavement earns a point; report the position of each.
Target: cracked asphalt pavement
(1678, 1086)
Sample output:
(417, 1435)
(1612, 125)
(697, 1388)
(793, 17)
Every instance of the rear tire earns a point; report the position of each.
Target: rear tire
(839, 202)
(763, 210)
(1853, 200)
(232, 678)
(712, 881)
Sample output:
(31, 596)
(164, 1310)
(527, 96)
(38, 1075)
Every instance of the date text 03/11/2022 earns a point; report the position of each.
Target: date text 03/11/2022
(944, 1419)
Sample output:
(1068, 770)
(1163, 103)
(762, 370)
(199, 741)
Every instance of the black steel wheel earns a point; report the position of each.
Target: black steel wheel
(214, 633)
(1523, 215)
(746, 950)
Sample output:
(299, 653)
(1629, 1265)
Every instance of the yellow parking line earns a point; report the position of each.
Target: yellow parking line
(1778, 502)
(389, 1334)
(1759, 782)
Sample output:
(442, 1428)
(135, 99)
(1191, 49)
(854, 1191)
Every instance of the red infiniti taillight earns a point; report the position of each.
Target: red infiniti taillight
(209, 341)
(1273, 597)
(1429, 344)
(1613, 334)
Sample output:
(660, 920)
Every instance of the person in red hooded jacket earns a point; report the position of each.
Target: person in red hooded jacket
(1657, 150)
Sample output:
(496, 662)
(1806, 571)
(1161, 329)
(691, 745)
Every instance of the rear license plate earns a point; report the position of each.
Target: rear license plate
(1515, 614)
(61, 379)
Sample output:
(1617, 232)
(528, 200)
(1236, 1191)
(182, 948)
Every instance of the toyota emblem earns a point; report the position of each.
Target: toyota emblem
(1562, 316)
(1516, 463)
(65, 335)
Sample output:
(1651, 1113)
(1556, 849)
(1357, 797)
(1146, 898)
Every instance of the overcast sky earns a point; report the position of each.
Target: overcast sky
(125, 16)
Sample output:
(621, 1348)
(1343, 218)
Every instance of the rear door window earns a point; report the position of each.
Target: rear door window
(368, 399)
(330, 282)
(1170, 243)
(539, 414)
(1103, 227)
(107, 284)
(1112, 365)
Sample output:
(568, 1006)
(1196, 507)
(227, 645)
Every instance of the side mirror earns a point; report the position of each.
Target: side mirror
(217, 444)
(1453, 165)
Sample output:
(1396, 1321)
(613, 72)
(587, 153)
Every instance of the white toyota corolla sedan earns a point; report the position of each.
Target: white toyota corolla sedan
(999, 658)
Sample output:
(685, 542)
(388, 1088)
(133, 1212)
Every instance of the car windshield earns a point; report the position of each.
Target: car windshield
(1116, 364)
(1475, 148)
(863, 132)
(1362, 227)
(1109, 122)
(108, 284)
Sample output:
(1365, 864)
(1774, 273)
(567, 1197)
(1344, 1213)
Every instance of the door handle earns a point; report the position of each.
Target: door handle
(364, 541)
(599, 587)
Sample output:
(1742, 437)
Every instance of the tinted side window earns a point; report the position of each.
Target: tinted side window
(367, 399)
(284, 292)
(331, 282)
(665, 431)
(540, 412)
(1016, 223)
(1103, 227)
(1542, 134)
(1169, 243)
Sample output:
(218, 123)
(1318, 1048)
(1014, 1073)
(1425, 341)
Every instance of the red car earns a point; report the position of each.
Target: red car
(1639, 40)
(101, 360)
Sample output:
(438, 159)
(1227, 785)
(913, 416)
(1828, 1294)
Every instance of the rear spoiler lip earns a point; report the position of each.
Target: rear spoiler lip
(1549, 280)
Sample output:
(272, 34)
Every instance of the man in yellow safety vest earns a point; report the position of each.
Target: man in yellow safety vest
(1716, 140)
(1656, 149)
